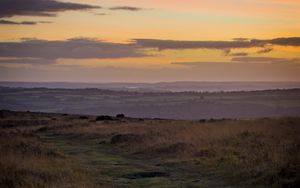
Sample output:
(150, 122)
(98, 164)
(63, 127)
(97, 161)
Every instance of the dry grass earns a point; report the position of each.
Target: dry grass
(26, 162)
(254, 152)
(262, 152)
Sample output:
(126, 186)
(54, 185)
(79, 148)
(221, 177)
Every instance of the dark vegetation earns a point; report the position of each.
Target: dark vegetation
(120, 116)
(59, 150)
(102, 118)
(167, 105)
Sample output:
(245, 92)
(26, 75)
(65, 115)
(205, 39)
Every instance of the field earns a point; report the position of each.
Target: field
(63, 150)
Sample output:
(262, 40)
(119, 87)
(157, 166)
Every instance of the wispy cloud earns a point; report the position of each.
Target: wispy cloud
(265, 60)
(241, 39)
(174, 44)
(10, 8)
(128, 8)
(8, 22)
(228, 52)
(265, 50)
(33, 61)
(100, 14)
(239, 54)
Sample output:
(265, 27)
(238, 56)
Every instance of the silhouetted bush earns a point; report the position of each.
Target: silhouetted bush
(102, 118)
(120, 116)
(202, 120)
(83, 117)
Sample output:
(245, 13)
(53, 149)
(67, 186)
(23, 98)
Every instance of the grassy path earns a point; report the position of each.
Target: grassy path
(110, 169)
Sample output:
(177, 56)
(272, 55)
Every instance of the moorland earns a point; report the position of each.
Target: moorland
(65, 150)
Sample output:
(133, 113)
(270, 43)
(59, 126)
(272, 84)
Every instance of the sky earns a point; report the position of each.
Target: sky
(149, 40)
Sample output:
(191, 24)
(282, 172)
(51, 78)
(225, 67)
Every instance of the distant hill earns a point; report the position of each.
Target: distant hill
(162, 86)
(169, 105)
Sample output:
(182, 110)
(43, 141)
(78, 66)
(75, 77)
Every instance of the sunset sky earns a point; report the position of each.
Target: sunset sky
(149, 40)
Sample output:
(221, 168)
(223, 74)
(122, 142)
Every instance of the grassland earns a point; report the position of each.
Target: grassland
(61, 150)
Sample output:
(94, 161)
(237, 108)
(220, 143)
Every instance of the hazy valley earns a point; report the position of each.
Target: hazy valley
(167, 105)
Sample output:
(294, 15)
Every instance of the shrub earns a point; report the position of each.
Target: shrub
(120, 116)
(102, 118)
(83, 117)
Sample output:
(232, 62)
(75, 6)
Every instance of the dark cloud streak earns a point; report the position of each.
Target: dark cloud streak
(264, 60)
(291, 41)
(79, 48)
(10, 8)
(33, 61)
(239, 54)
(128, 8)
(8, 22)
(174, 44)
(265, 50)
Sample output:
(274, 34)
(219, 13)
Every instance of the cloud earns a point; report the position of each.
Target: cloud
(173, 44)
(227, 52)
(33, 61)
(85, 48)
(8, 22)
(265, 50)
(79, 48)
(100, 14)
(239, 54)
(196, 64)
(10, 8)
(265, 60)
(126, 8)
(292, 41)
(241, 39)
(222, 45)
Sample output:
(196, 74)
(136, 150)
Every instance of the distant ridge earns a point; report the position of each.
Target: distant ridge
(161, 86)
(166, 105)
